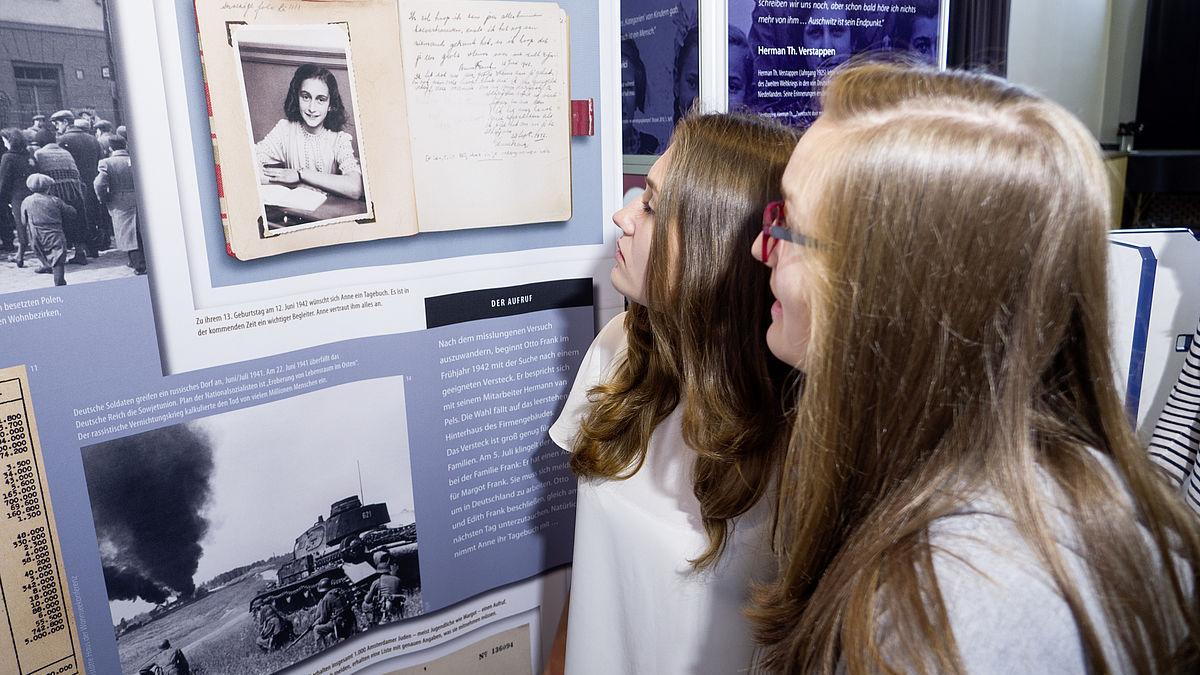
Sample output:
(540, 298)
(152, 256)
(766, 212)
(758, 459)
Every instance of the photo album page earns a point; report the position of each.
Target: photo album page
(342, 121)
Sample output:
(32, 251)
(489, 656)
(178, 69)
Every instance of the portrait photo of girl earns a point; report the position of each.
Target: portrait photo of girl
(300, 104)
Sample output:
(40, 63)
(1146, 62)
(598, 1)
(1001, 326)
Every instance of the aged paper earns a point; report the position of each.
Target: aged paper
(488, 106)
(505, 653)
(372, 28)
(38, 628)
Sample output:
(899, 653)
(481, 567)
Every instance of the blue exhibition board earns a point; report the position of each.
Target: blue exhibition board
(781, 51)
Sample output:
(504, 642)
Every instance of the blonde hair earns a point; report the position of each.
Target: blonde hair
(700, 343)
(961, 344)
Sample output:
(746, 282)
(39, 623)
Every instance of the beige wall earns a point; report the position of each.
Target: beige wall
(1126, 37)
(1085, 54)
(1060, 48)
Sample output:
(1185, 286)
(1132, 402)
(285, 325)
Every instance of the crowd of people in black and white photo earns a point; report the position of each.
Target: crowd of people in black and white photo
(67, 194)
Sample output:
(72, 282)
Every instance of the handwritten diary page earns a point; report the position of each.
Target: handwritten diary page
(488, 101)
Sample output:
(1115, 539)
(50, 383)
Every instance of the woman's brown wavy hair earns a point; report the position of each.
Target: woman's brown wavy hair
(700, 341)
(961, 344)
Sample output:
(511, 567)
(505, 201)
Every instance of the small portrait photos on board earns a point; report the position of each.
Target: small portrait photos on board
(299, 91)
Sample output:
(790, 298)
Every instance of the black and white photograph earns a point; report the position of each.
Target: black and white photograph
(68, 200)
(298, 87)
(248, 541)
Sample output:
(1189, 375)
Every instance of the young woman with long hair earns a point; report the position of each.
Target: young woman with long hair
(962, 491)
(674, 422)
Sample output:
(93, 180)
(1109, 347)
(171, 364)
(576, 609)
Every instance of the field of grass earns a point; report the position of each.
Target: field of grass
(217, 633)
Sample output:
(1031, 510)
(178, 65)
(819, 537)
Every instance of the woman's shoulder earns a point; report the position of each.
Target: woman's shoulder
(1005, 613)
(1004, 606)
(607, 346)
(342, 141)
(595, 367)
(611, 337)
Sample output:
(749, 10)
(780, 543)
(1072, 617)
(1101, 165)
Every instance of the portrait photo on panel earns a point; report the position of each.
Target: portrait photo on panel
(301, 104)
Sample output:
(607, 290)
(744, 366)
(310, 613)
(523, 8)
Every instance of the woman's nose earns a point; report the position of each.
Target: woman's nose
(623, 219)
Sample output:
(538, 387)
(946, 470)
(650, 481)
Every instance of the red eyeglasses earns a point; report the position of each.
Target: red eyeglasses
(775, 229)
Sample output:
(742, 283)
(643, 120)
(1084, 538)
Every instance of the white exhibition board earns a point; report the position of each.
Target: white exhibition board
(1154, 286)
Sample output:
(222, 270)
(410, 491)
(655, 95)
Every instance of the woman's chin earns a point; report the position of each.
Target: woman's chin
(617, 279)
(620, 283)
(782, 348)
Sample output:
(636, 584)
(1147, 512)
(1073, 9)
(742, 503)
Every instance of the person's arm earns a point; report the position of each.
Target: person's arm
(101, 183)
(556, 661)
(348, 180)
(271, 149)
(349, 185)
(1176, 439)
(372, 592)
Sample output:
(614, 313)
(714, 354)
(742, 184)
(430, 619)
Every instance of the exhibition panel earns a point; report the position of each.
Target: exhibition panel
(314, 434)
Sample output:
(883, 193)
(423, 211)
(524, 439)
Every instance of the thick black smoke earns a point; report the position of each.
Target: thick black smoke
(147, 494)
(127, 584)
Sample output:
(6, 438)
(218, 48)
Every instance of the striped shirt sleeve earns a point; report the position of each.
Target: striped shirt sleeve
(1176, 436)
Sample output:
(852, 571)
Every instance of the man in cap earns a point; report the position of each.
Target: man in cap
(61, 121)
(83, 146)
(384, 601)
(334, 618)
(115, 189)
(44, 215)
(41, 131)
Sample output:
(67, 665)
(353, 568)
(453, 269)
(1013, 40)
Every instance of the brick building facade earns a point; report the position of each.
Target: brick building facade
(54, 54)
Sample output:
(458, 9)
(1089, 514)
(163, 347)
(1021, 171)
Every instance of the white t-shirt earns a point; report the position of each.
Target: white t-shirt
(637, 605)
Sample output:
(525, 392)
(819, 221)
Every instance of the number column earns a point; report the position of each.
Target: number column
(31, 585)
